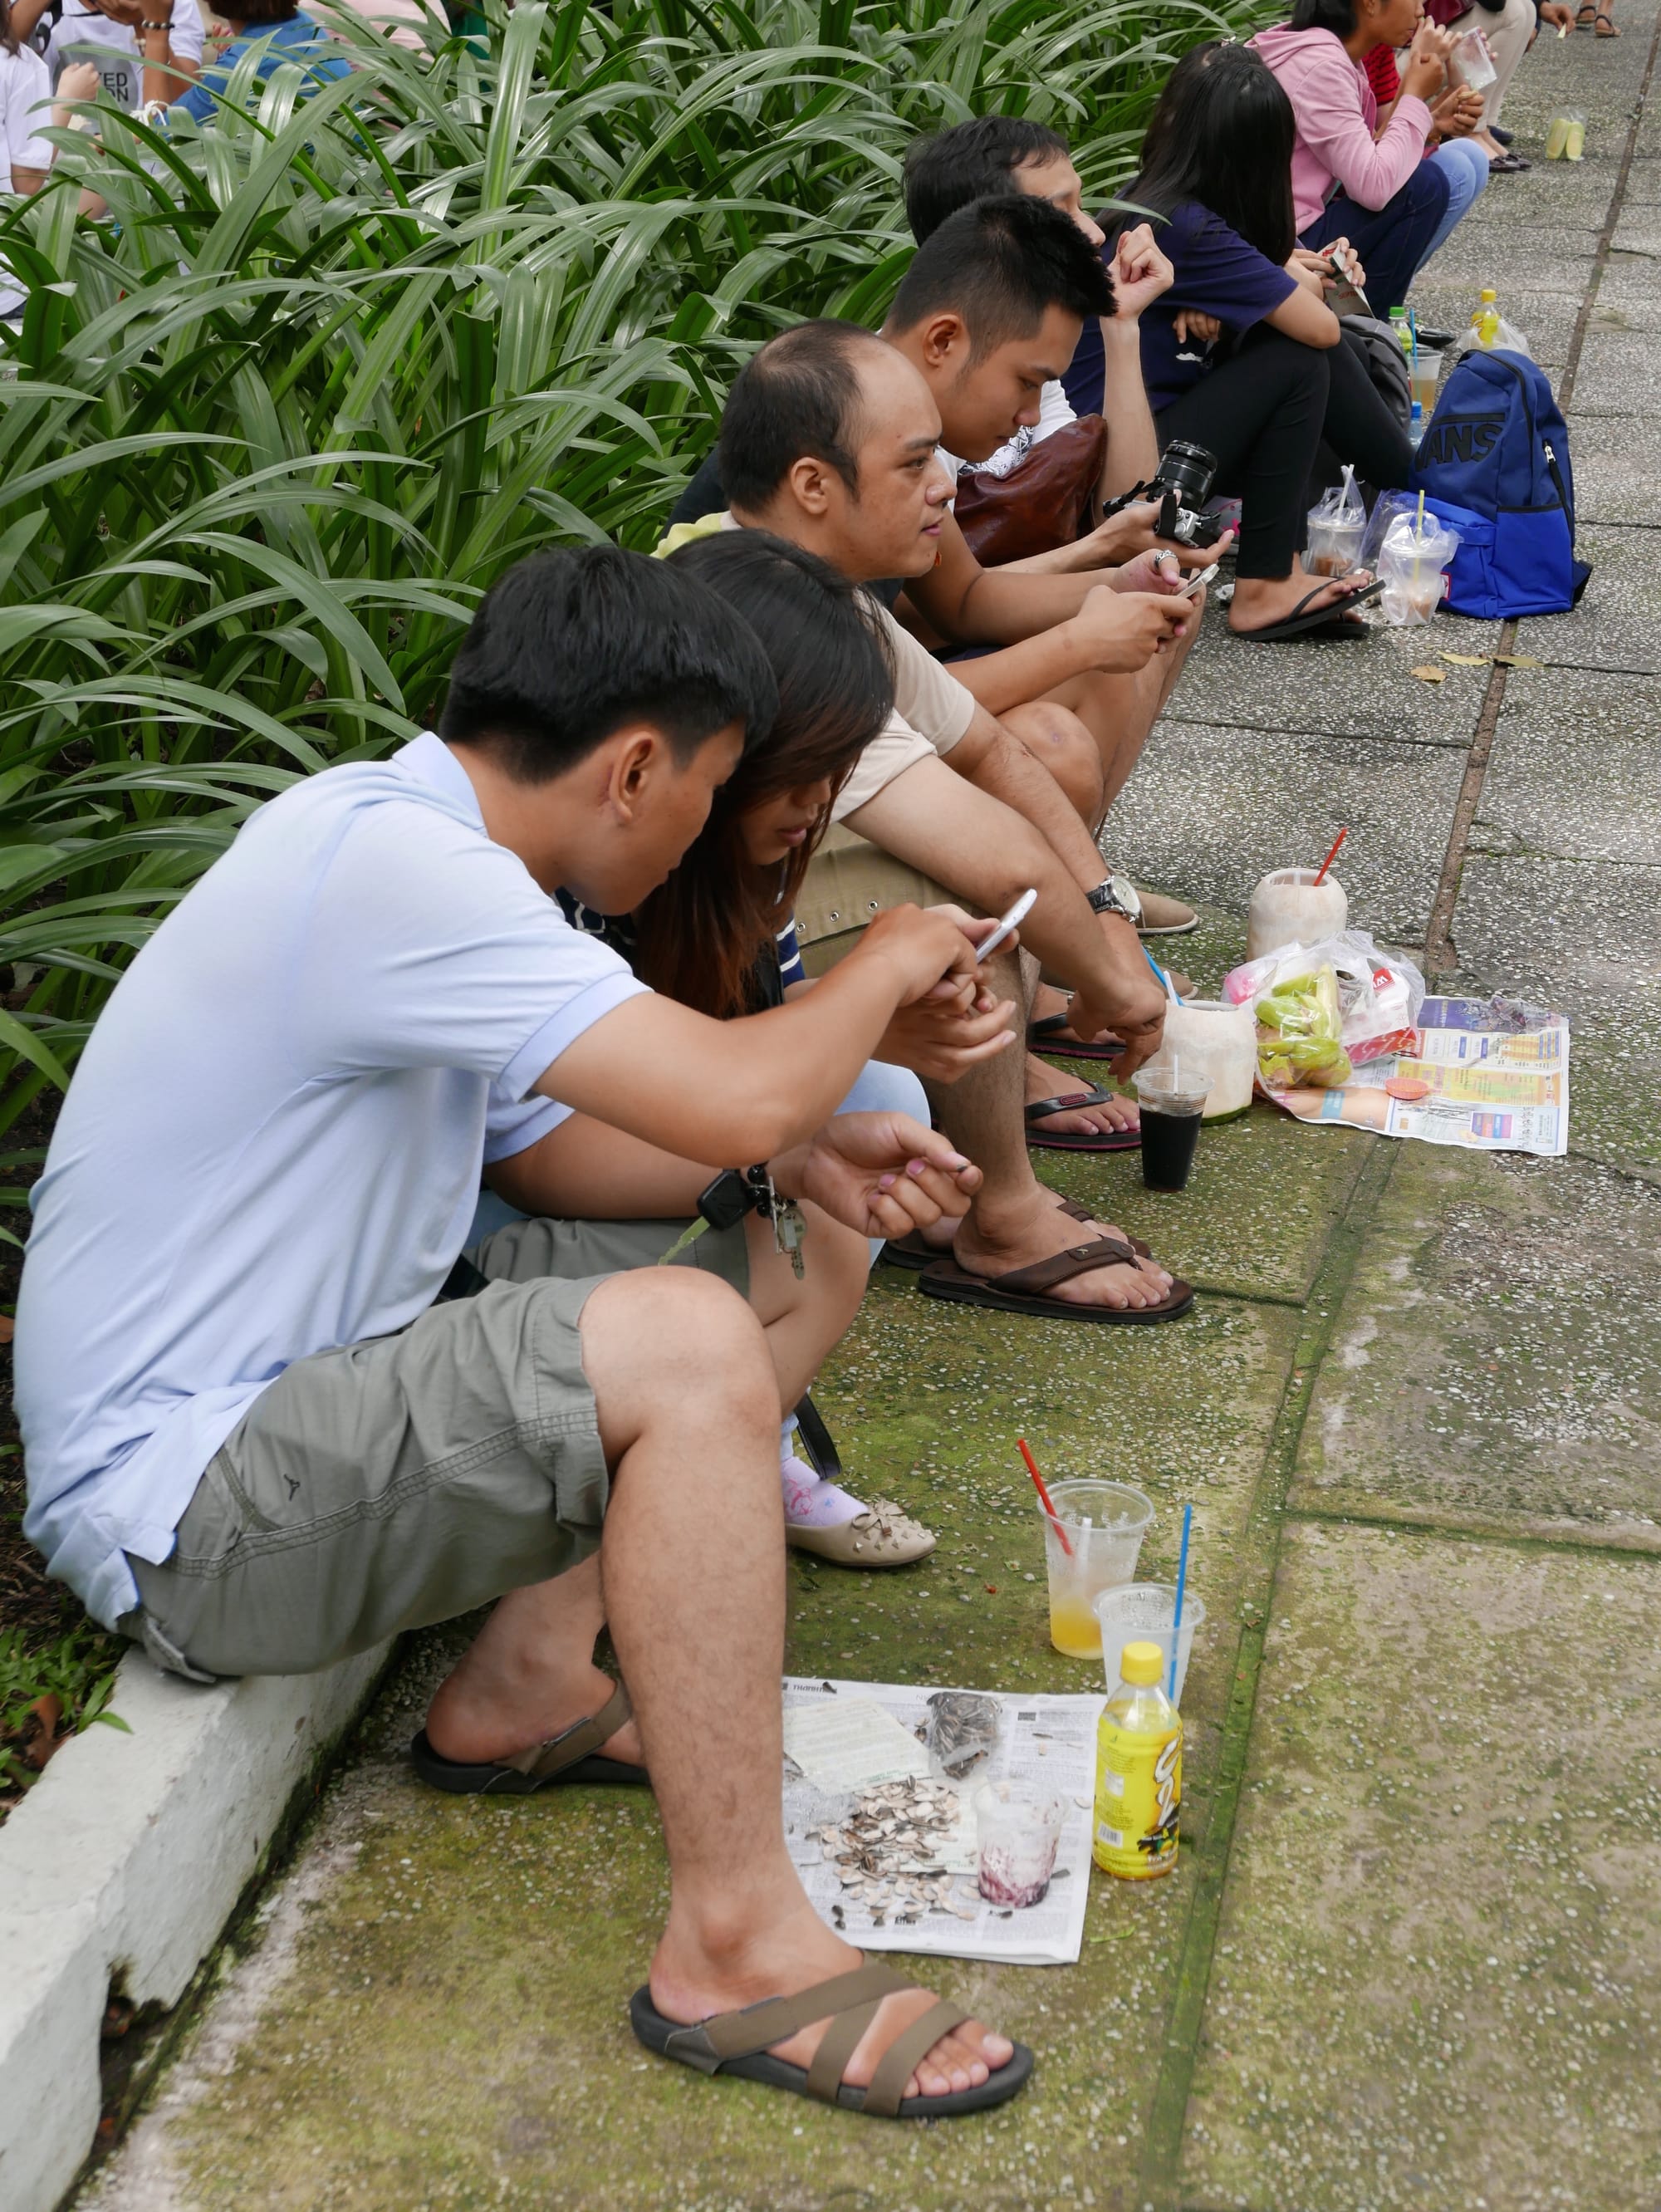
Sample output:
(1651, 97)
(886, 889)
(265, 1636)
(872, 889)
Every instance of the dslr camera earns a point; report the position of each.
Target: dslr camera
(1182, 488)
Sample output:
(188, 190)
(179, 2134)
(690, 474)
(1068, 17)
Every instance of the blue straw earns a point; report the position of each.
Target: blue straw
(1165, 981)
(1182, 1584)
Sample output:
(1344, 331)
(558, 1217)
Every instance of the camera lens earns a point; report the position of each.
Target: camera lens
(1188, 469)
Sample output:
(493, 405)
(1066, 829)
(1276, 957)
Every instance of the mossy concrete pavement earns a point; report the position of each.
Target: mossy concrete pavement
(1411, 1953)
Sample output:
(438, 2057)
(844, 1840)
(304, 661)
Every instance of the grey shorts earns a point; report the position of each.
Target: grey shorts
(404, 1480)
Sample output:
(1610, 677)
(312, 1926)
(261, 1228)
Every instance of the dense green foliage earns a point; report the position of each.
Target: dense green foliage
(268, 434)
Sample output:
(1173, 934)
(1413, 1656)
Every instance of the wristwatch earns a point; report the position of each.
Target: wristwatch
(1116, 894)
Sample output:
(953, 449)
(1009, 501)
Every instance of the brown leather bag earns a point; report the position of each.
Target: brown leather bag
(1042, 502)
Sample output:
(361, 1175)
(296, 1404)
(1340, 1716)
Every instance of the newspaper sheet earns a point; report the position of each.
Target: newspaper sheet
(843, 1737)
(1490, 1075)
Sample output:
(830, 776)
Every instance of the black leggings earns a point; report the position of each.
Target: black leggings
(1265, 413)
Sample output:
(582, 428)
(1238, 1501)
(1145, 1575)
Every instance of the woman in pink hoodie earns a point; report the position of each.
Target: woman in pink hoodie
(1383, 189)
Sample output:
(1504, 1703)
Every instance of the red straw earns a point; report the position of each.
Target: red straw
(1331, 856)
(1044, 1495)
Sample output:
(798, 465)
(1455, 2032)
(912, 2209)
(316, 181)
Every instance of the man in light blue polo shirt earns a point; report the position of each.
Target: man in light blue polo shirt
(259, 1434)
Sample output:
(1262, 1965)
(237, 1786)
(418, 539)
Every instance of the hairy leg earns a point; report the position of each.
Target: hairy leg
(693, 1573)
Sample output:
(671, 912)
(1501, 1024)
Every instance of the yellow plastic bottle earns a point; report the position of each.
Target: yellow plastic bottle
(1486, 320)
(1138, 1771)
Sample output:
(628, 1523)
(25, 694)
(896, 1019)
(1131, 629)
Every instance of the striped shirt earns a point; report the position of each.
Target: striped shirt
(774, 973)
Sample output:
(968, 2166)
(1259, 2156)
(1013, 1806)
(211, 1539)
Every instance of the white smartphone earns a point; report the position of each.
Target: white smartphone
(1194, 580)
(1008, 927)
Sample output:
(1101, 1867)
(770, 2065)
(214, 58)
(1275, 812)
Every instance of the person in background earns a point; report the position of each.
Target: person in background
(26, 106)
(111, 33)
(278, 30)
(996, 154)
(1281, 383)
(1510, 28)
(1393, 197)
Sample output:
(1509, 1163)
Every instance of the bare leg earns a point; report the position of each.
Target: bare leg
(530, 1671)
(805, 1318)
(1113, 714)
(1014, 1221)
(693, 1567)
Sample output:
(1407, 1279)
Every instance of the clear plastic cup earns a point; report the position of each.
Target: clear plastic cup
(1426, 373)
(1142, 1612)
(1171, 1101)
(1472, 62)
(1104, 1524)
(1019, 1831)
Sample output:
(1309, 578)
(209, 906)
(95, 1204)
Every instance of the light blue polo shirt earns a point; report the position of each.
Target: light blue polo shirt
(273, 1141)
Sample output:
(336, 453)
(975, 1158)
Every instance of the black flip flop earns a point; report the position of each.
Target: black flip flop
(571, 1756)
(1044, 1036)
(1324, 621)
(735, 2043)
(1076, 1101)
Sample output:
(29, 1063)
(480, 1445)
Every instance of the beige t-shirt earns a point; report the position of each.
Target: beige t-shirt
(931, 712)
(931, 708)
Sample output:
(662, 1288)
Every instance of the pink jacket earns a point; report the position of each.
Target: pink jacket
(1335, 113)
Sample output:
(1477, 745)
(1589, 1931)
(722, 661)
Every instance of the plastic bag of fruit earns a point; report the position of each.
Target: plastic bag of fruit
(1323, 1009)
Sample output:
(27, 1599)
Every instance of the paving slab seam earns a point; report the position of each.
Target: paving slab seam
(1341, 737)
(1162, 2140)
(1474, 1529)
(1441, 956)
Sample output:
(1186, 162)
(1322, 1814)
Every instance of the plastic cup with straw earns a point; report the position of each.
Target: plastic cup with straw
(1176, 1616)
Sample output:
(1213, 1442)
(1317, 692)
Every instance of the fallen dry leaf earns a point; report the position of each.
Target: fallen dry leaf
(40, 1737)
(1467, 659)
(1516, 661)
(8, 1328)
(1431, 675)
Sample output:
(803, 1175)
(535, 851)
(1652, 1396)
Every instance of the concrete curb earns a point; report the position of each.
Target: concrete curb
(124, 1864)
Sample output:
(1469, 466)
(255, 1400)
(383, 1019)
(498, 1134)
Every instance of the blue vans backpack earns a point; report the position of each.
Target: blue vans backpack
(1494, 465)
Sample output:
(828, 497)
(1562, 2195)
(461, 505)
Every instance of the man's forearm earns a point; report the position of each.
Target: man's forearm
(743, 1090)
(25, 15)
(1132, 442)
(1020, 672)
(1003, 606)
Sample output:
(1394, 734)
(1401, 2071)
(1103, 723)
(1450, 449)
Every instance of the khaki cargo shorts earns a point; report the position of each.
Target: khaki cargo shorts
(402, 1481)
(849, 882)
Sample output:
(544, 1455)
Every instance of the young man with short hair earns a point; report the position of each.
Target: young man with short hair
(829, 440)
(261, 1436)
(1077, 665)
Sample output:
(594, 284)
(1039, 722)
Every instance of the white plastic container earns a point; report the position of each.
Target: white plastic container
(1218, 1044)
(1290, 908)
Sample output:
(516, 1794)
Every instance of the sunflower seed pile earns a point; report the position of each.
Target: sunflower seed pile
(890, 1853)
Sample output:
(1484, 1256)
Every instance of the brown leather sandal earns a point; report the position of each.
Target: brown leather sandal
(573, 1755)
(1023, 1289)
(737, 2043)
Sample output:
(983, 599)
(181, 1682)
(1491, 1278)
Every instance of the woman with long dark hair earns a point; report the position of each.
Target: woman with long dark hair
(718, 936)
(1216, 166)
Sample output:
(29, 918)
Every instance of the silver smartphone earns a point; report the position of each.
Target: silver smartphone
(1008, 927)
